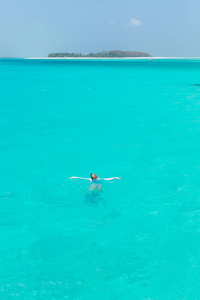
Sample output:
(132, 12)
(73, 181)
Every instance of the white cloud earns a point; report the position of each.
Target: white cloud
(135, 22)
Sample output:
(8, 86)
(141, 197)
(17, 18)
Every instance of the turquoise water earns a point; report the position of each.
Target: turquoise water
(138, 238)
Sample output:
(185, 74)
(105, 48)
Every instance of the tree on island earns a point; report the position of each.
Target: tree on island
(114, 53)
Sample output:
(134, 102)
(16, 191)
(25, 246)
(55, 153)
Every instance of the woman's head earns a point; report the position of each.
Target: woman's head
(93, 176)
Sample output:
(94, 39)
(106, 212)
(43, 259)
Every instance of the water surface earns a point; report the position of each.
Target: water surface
(137, 238)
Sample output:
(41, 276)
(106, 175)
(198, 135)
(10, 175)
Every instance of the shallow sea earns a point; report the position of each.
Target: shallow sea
(138, 238)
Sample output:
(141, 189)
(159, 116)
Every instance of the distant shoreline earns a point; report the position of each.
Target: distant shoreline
(111, 58)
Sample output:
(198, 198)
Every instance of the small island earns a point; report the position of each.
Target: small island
(103, 54)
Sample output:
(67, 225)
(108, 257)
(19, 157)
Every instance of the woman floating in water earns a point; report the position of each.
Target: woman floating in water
(94, 177)
(95, 195)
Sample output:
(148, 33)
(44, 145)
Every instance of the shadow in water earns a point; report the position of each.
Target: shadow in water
(95, 198)
(196, 84)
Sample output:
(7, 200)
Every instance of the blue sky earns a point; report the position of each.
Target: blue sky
(162, 28)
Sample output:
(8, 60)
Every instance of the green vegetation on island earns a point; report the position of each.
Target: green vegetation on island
(115, 53)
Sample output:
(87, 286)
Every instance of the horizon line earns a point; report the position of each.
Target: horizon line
(90, 58)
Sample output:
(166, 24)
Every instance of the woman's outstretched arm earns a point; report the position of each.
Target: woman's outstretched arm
(74, 177)
(111, 178)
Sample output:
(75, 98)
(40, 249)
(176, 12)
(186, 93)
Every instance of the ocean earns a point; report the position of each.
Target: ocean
(137, 238)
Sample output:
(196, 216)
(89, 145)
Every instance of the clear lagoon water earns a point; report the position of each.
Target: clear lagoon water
(138, 238)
